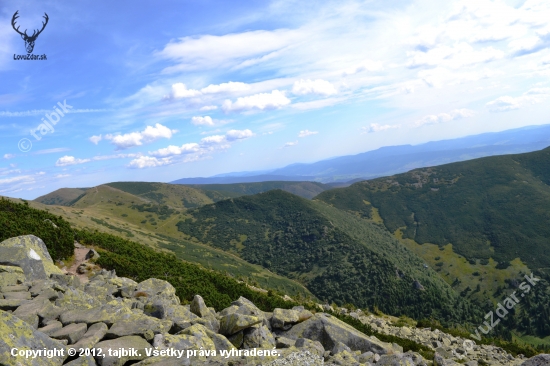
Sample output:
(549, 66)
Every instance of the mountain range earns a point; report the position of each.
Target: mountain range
(395, 159)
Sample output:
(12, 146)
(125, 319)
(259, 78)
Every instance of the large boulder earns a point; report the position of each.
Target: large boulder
(16, 334)
(539, 360)
(30, 254)
(329, 331)
(11, 275)
(155, 288)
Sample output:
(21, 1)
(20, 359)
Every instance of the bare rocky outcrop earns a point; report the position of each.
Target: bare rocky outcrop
(107, 313)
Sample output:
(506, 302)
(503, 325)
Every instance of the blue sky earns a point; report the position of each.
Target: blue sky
(157, 91)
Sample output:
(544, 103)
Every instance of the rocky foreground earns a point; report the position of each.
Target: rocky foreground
(51, 318)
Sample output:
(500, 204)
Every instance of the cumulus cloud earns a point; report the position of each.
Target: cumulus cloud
(176, 150)
(179, 90)
(148, 135)
(191, 151)
(96, 139)
(202, 121)
(306, 133)
(149, 162)
(9, 156)
(225, 88)
(262, 101)
(233, 135)
(375, 127)
(318, 86)
(433, 119)
(70, 160)
(209, 108)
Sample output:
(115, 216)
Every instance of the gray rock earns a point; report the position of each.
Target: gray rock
(315, 347)
(199, 308)
(155, 288)
(539, 360)
(52, 327)
(338, 347)
(82, 361)
(329, 331)
(403, 359)
(232, 323)
(16, 288)
(10, 305)
(284, 318)
(282, 342)
(124, 343)
(108, 314)
(95, 333)
(30, 254)
(17, 295)
(15, 333)
(92, 254)
(258, 337)
(11, 275)
(72, 332)
(142, 325)
(30, 310)
(302, 358)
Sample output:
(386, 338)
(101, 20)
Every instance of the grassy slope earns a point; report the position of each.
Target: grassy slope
(109, 210)
(468, 217)
(494, 207)
(62, 197)
(338, 257)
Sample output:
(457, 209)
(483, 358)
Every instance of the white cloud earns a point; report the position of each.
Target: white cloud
(202, 121)
(149, 162)
(22, 178)
(9, 156)
(213, 140)
(176, 150)
(191, 151)
(209, 108)
(51, 151)
(62, 175)
(179, 90)
(290, 144)
(306, 133)
(262, 101)
(508, 103)
(233, 135)
(454, 115)
(318, 86)
(96, 139)
(226, 88)
(70, 160)
(375, 127)
(367, 65)
(148, 135)
(456, 56)
(209, 51)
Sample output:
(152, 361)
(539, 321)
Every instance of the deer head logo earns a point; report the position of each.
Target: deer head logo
(29, 40)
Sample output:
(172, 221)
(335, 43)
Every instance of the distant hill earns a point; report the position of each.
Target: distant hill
(397, 159)
(303, 189)
(335, 255)
(242, 179)
(62, 197)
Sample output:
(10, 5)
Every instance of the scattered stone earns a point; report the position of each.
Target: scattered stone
(72, 332)
(124, 343)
